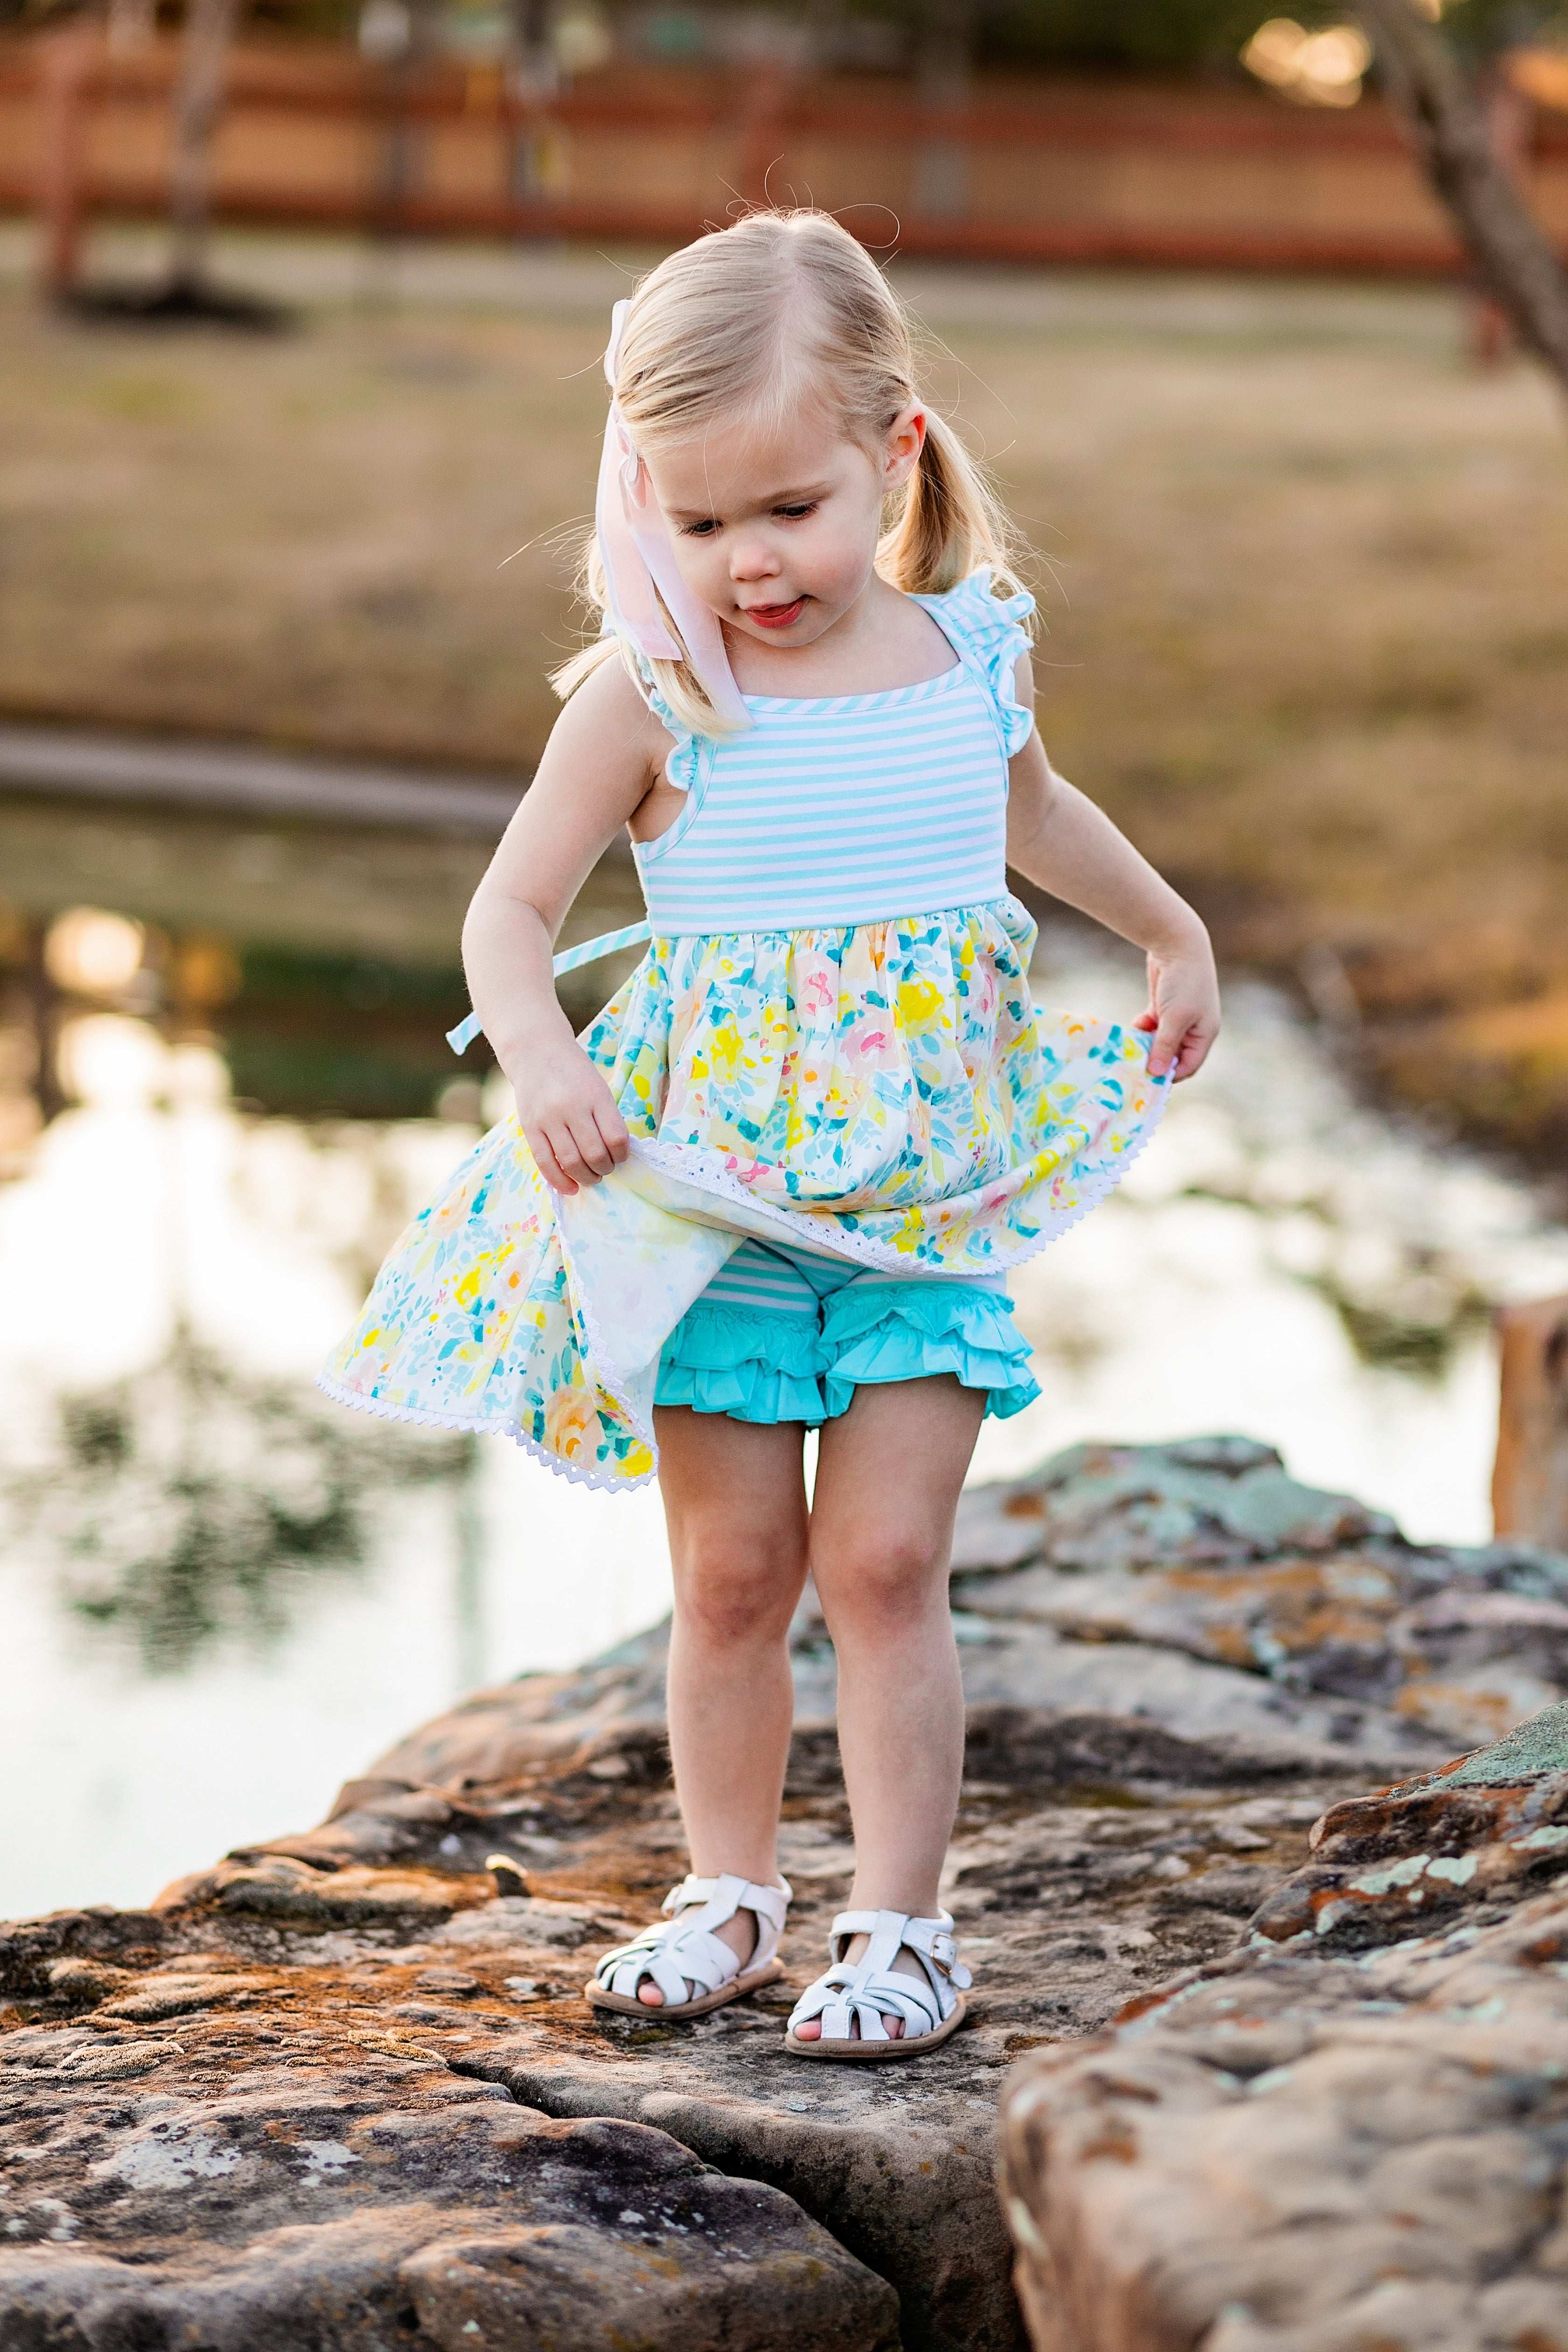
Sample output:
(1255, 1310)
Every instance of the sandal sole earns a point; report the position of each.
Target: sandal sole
(599, 1996)
(875, 2053)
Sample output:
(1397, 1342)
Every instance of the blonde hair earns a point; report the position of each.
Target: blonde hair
(754, 319)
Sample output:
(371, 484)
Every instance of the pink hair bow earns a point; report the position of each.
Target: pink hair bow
(634, 546)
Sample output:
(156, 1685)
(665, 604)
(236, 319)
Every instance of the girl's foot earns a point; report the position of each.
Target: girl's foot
(689, 1961)
(872, 2003)
(905, 1964)
(740, 1934)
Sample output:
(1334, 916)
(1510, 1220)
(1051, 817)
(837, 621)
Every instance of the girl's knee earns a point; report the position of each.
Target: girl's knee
(730, 1589)
(892, 1577)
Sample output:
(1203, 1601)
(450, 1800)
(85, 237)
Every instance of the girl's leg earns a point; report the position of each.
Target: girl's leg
(888, 1479)
(734, 1499)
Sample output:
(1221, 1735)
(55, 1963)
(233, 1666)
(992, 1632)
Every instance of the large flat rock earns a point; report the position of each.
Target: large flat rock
(341, 2088)
(1094, 1855)
(1349, 2134)
(259, 2176)
(1209, 1590)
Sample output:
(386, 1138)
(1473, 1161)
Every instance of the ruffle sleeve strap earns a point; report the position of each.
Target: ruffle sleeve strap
(684, 762)
(989, 631)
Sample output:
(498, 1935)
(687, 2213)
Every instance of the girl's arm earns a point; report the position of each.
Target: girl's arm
(604, 757)
(1060, 840)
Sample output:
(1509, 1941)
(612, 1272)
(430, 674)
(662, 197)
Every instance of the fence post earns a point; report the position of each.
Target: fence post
(943, 155)
(63, 58)
(763, 114)
(1530, 1481)
(198, 101)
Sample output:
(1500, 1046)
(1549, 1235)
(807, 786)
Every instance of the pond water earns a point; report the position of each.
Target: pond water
(219, 1596)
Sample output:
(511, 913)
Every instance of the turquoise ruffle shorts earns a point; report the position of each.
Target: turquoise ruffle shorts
(782, 1335)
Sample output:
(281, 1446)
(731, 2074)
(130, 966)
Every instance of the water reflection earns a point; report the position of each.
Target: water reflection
(321, 959)
(193, 1501)
(1411, 1243)
(276, 1589)
(219, 1596)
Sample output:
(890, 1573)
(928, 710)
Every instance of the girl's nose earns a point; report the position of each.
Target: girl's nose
(754, 559)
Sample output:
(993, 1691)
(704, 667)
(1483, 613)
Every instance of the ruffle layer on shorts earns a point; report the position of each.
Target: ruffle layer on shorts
(760, 1366)
(878, 1331)
(746, 1363)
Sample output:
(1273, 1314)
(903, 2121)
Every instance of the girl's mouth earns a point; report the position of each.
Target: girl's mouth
(775, 616)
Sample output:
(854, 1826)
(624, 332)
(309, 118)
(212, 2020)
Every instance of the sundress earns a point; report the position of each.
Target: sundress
(830, 1046)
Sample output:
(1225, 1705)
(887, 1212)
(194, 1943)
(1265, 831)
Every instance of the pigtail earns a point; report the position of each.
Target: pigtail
(949, 521)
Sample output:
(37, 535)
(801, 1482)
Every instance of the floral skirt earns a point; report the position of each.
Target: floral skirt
(885, 1093)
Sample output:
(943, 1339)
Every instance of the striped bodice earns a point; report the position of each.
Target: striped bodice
(851, 810)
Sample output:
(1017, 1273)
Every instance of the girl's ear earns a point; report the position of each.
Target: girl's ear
(906, 439)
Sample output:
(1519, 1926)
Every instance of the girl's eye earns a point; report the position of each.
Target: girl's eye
(798, 513)
(699, 529)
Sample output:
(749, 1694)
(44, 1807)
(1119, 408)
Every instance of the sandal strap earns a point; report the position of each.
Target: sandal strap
(671, 1956)
(684, 1948)
(932, 1940)
(869, 1988)
(726, 1895)
(844, 1996)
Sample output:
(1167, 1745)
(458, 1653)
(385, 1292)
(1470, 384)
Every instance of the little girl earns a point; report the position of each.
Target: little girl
(778, 1184)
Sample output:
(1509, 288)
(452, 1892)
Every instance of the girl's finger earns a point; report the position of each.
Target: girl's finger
(613, 1135)
(1194, 1050)
(549, 1167)
(1165, 1046)
(592, 1157)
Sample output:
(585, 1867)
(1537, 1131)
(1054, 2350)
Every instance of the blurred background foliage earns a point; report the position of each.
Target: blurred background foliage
(1302, 573)
(1160, 37)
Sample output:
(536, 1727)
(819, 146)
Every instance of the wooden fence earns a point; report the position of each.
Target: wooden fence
(1024, 170)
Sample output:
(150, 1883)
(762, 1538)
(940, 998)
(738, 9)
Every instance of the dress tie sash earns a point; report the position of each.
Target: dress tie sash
(569, 959)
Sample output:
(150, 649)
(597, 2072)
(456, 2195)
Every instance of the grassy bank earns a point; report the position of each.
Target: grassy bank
(1303, 571)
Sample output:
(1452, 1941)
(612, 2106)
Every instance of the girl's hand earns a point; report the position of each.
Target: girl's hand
(568, 1114)
(1183, 1008)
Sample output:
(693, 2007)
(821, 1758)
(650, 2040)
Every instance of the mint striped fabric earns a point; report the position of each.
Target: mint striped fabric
(778, 1280)
(770, 1279)
(857, 809)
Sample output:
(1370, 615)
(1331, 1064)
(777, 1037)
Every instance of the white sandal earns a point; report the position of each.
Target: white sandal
(686, 1949)
(871, 1988)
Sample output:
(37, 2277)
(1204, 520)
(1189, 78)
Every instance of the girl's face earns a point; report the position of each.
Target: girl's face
(778, 535)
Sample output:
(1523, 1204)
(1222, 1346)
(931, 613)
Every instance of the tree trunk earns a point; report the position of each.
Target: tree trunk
(209, 28)
(1530, 1481)
(1512, 257)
